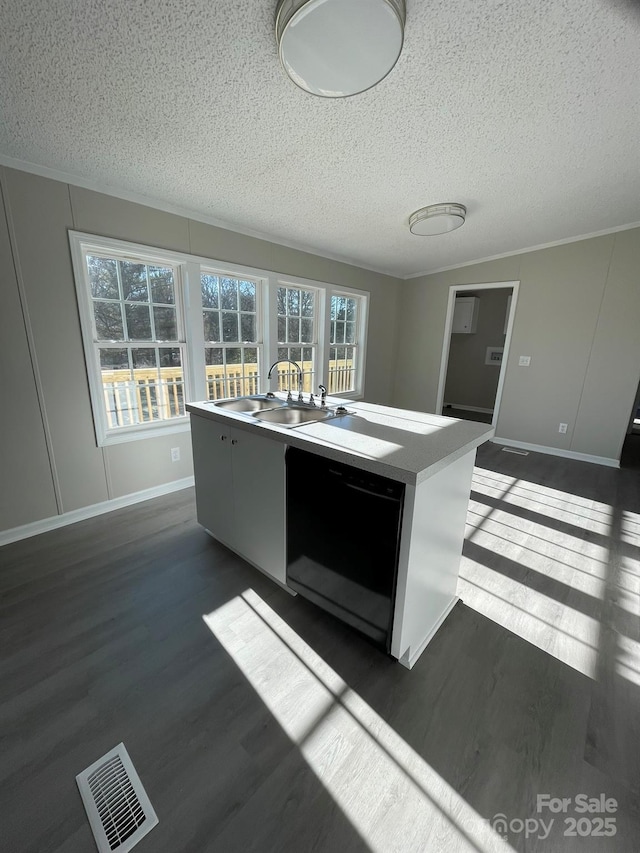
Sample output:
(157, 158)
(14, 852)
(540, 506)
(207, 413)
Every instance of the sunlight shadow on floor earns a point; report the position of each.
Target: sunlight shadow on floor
(556, 546)
(393, 798)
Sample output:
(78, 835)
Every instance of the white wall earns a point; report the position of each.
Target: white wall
(50, 463)
(577, 316)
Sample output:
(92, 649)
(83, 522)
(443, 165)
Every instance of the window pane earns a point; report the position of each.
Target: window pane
(350, 333)
(165, 323)
(247, 296)
(294, 330)
(103, 276)
(352, 307)
(341, 369)
(144, 358)
(118, 389)
(108, 318)
(211, 325)
(229, 293)
(293, 302)
(306, 331)
(307, 304)
(282, 300)
(172, 382)
(338, 308)
(148, 404)
(161, 281)
(295, 354)
(282, 329)
(138, 322)
(339, 338)
(307, 354)
(114, 359)
(214, 372)
(230, 327)
(134, 281)
(283, 352)
(209, 286)
(237, 376)
(248, 327)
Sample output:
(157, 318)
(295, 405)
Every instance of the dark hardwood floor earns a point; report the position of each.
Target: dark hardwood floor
(257, 722)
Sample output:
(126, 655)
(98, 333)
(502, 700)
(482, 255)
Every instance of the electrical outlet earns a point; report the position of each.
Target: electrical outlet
(562, 428)
(524, 360)
(175, 454)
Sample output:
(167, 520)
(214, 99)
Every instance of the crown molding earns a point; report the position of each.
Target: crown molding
(537, 248)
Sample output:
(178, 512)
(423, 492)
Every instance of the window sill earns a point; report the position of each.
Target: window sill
(144, 432)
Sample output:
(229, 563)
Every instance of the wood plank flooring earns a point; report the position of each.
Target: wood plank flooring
(257, 722)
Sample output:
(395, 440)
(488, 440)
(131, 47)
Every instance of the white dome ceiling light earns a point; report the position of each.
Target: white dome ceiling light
(337, 48)
(437, 219)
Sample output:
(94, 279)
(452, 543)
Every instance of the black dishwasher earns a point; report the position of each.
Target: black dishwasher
(343, 538)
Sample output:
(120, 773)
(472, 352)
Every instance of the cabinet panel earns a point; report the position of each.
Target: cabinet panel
(214, 478)
(465, 315)
(240, 492)
(259, 497)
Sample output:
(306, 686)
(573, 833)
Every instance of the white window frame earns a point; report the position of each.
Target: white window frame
(325, 292)
(87, 244)
(318, 325)
(188, 269)
(261, 282)
(360, 342)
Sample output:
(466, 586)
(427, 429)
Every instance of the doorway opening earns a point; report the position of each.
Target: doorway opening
(630, 454)
(475, 349)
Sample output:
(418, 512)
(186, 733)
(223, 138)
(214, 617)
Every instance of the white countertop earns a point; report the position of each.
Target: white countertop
(404, 445)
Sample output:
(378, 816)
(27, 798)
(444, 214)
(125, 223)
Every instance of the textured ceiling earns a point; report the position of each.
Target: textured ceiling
(526, 112)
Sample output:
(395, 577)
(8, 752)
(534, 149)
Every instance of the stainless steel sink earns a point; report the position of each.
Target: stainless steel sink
(291, 416)
(250, 404)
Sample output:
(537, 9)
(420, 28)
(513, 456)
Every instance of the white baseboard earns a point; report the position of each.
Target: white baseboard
(468, 408)
(46, 524)
(556, 451)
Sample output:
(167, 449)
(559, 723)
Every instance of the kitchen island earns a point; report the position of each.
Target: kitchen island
(241, 494)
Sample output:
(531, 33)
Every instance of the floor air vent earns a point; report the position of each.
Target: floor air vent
(117, 805)
(515, 450)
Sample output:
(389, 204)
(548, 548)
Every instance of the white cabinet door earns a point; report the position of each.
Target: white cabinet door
(465, 315)
(214, 478)
(240, 492)
(259, 498)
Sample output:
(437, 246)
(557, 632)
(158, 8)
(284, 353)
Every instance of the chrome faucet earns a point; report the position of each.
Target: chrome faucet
(323, 396)
(297, 367)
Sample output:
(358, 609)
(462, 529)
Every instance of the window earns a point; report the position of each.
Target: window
(297, 335)
(137, 338)
(232, 335)
(344, 340)
(161, 328)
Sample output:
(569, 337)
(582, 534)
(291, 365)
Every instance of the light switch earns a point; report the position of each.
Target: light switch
(524, 361)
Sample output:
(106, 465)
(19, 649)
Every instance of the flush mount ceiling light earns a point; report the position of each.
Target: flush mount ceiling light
(437, 219)
(337, 48)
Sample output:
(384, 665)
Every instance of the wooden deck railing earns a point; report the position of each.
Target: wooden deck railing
(142, 399)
